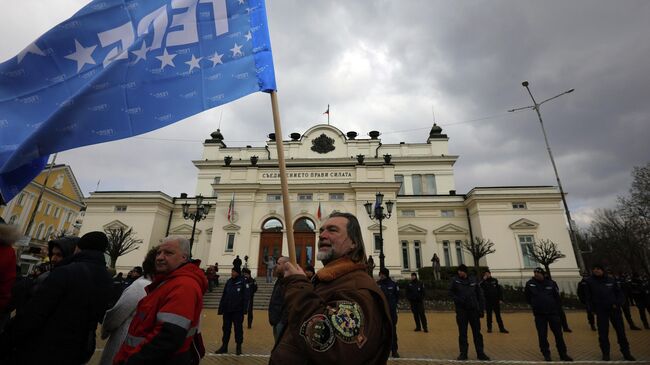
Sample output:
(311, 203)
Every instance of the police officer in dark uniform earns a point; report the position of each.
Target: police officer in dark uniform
(606, 298)
(469, 301)
(582, 296)
(233, 306)
(543, 296)
(391, 291)
(415, 295)
(624, 282)
(639, 294)
(252, 289)
(493, 299)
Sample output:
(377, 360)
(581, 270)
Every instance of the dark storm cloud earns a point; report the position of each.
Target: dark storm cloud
(383, 65)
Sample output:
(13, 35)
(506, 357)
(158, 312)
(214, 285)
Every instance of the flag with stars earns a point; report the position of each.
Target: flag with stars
(119, 68)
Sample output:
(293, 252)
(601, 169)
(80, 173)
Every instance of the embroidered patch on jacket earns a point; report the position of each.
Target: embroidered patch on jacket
(347, 320)
(317, 332)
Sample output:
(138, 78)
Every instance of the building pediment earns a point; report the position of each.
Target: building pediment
(375, 227)
(412, 229)
(524, 223)
(183, 230)
(450, 229)
(231, 227)
(116, 224)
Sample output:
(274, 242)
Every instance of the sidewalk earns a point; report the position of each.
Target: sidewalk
(440, 345)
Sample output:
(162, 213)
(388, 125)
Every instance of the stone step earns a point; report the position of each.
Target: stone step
(260, 300)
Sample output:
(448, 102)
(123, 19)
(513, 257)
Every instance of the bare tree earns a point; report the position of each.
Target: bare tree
(120, 242)
(546, 252)
(479, 248)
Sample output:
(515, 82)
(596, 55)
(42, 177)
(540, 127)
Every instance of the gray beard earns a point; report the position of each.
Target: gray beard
(325, 256)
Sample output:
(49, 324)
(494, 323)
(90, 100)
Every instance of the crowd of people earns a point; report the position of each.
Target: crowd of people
(339, 312)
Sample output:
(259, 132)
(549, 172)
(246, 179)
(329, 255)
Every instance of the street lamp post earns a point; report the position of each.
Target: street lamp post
(535, 107)
(378, 214)
(200, 213)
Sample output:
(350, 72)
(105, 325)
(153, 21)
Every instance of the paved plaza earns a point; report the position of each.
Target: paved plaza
(440, 345)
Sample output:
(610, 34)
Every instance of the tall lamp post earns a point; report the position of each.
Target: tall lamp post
(378, 214)
(535, 107)
(200, 213)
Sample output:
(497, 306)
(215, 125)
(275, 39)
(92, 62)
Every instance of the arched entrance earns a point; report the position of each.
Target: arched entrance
(305, 237)
(270, 243)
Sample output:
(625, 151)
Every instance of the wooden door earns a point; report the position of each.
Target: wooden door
(305, 243)
(270, 244)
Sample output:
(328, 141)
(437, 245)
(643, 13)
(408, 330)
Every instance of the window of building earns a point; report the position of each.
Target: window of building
(446, 253)
(68, 218)
(230, 242)
(400, 180)
(377, 241)
(418, 254)
(49, 232)
(526, 242)
(21, 197)
(337, 196)
(447, 213)
(13, 219)
(48, 209)
(459, 252)
(120, 208)
(39, 231)
(305, 197)
(518, 205)
(304, 225)
(217, 180)
(272, 225)
(430, 184)
(408, 213)
(57, 212)
(273, 197)
(417, 184)
(405, 255)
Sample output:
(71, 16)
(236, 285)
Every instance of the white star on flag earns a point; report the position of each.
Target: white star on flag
(216, 59)
(241, 2)
(141, 53)
(32, 48)
(82, 55)
(248, 36)
(166, 59)
(236, 50)
(194, 63)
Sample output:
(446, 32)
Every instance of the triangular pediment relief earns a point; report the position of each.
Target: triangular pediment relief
(375, 227)
(412, 228)
(116, 224)
(450, 229)
(524, 223)
(231, 227)
(183, 230)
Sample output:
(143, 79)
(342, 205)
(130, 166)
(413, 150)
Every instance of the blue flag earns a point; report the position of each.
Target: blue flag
(119, 68)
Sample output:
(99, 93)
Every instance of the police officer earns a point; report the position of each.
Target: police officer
(493, 299)
(606, 298)
(415, 296)
(469, 301)
(624, 282)
(391, 291)
(233, 306)
(252, 289)
(639, 293)
(582, 296)
(543, 296)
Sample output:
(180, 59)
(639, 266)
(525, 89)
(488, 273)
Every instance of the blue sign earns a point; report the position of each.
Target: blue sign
(119, 68)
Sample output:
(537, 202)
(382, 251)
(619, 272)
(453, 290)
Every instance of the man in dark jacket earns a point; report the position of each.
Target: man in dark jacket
(278, 315)
(606, 298)
(543, 296)
(624, 282)
(582, 296)
(252, 289)
(61, 319)
(236, 263)
(469, 302)
(493, 299)
(639, 293)
(391, 292)
(233, 306)
(415, 296)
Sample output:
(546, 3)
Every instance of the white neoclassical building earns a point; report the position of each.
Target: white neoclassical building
(330, 170)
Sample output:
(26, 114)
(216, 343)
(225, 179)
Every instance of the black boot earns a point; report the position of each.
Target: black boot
(223, 349)
(238, 351)
(565, 357)
(483, 357)
(503, 330)
(606, 357)
(462, 356)
(633, 327)
(593, 327)
(628, 356)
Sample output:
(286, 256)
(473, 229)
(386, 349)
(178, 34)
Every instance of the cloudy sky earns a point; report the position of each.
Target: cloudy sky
(385, 65)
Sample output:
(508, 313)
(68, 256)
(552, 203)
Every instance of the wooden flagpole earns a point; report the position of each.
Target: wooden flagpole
(288, 218)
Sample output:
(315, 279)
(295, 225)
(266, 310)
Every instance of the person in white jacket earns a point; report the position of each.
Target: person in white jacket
(117, 319)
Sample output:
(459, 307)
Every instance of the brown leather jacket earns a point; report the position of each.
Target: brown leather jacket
(342, 318)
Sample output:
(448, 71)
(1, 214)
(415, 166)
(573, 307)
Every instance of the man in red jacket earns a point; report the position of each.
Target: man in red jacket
(8, 235)
(167, 319)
